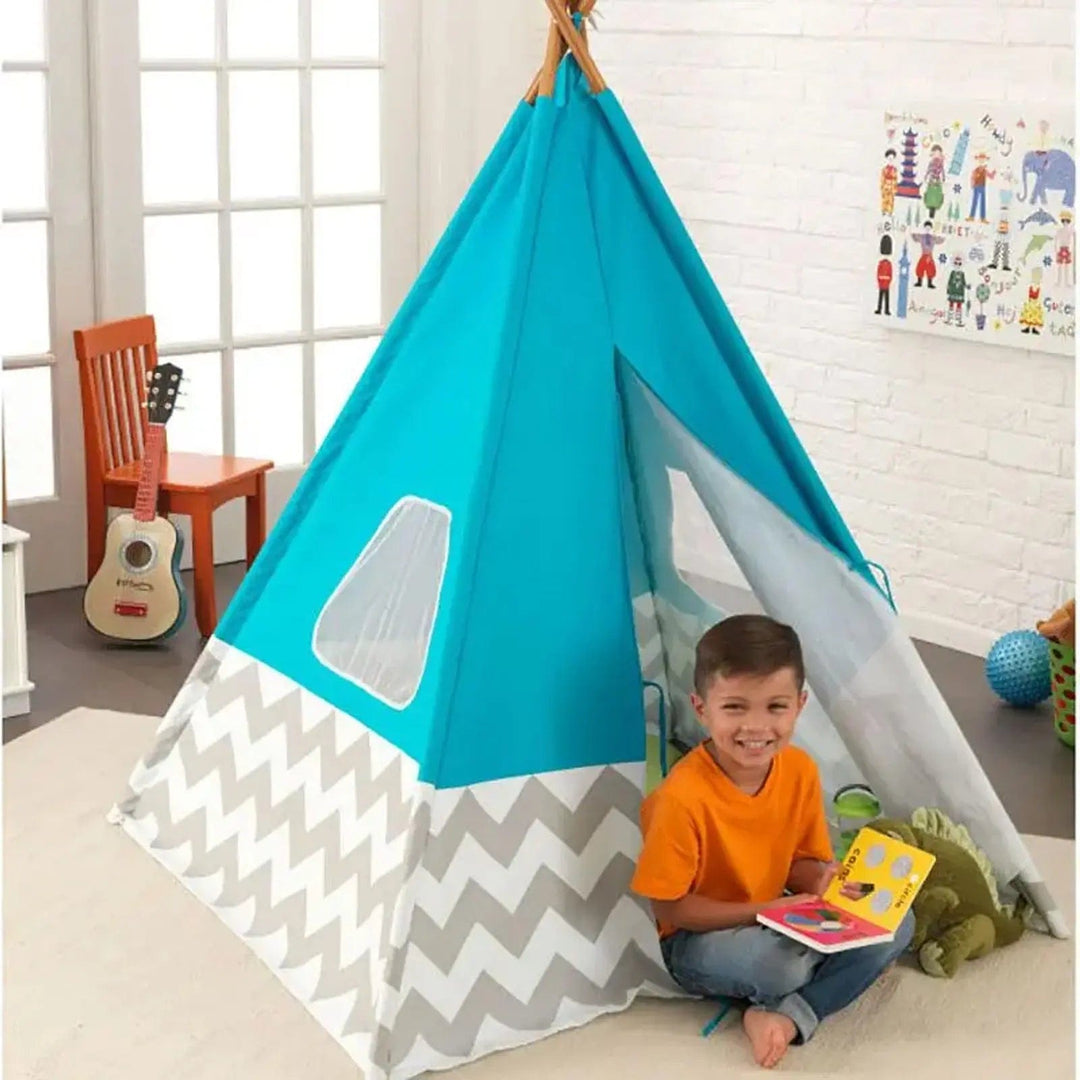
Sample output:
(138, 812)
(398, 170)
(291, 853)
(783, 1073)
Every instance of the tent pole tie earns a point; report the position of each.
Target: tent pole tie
(662, 720)
(885, 585)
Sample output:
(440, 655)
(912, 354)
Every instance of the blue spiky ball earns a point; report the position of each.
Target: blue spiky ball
(1018, 668)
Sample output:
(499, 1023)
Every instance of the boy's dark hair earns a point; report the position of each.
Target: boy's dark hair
(747, 645)
(890, 153)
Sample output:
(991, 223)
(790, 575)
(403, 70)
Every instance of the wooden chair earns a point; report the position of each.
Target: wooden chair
(113, 361)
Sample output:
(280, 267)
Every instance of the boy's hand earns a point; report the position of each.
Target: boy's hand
(820, 878)
(850, 889)
(813, 877)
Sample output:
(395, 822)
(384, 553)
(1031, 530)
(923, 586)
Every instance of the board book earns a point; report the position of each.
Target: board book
(876, 885)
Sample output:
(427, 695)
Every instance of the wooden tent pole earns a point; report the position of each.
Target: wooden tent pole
(556, 47)
(576, 43)
(557, 31)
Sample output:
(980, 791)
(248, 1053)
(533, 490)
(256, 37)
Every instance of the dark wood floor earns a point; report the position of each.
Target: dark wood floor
(1034, 775)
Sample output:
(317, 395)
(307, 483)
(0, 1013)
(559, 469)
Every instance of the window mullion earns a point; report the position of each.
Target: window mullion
(228, 367)
(307, 232)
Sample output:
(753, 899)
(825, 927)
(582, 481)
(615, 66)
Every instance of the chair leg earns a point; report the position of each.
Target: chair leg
(202, 544)
(97, 515)
(255, 508)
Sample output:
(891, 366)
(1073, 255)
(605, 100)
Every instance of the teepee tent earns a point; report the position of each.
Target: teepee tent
(407, 769)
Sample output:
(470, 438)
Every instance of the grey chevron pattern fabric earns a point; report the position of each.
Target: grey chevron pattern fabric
(421, 927)
(521, 897)
(292, 821)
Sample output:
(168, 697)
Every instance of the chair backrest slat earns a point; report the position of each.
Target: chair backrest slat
(136, 383)
(113, 361)
(109, 372)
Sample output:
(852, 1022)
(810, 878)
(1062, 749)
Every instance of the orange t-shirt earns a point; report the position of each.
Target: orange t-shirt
(702, 834)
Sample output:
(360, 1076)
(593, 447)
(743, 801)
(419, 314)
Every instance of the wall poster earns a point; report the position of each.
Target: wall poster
(975, 232)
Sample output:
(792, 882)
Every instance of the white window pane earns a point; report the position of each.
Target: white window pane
(338, 367)
(28, 433)
(263, 29)
(345, 28)
(264, 134)
(269, 394)
(22, 30)
(174, 30)
(348, 264)
(182, 276)
(22, 134)
(265, 272)
(345, 132)
(196, 426)
(375, 629)
(24, 289)
(179, 131)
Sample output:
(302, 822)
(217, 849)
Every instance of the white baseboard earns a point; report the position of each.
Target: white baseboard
(948, 633)
(17, 702)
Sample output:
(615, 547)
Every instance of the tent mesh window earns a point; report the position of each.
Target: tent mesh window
(376, 627)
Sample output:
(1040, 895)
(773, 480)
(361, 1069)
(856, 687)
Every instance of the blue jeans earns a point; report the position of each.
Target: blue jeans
(978, 202)
(770, 971)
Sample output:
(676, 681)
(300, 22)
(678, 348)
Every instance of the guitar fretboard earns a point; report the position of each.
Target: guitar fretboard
(150, 474)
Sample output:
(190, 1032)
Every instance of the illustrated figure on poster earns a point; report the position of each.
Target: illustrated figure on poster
(1031, 314)
(959, 152)
(884, 275)
(982, 294)
(889, 179)
(934, 181)
(909, 186)
(1065, 250)
(979, 177)
(1040, 217)
(1001, 241)
(926, 267)
(902, 286)
(1053, 170)
(956, 291)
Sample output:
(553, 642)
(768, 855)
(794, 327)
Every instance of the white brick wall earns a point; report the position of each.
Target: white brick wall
(951, 463)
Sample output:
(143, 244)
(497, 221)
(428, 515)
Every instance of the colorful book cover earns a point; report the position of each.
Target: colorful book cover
(879, 879)
(823, 927)
(873, 891)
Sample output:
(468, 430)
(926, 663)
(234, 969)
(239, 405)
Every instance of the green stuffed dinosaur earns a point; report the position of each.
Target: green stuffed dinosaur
(958, 915)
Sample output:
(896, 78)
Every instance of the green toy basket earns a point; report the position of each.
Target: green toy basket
(1063, 674)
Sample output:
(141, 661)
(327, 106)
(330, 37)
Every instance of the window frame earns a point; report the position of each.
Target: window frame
(56, 553)
(119, 210)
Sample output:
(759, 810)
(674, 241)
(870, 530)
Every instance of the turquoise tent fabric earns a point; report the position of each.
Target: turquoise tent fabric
(496, 394)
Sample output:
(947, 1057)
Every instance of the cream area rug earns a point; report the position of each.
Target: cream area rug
(112, 969)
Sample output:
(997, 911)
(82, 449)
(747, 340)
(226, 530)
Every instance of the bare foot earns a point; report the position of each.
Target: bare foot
(770, 1035)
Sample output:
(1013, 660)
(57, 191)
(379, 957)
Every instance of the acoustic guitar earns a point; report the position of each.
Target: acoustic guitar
(136, 594)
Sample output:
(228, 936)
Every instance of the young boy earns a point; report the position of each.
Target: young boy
(740, 819)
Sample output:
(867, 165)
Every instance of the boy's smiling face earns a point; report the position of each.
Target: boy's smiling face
(750, 718)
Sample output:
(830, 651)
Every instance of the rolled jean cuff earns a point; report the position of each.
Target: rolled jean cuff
(795, 1008)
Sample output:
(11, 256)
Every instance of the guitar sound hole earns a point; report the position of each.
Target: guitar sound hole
(138, 554)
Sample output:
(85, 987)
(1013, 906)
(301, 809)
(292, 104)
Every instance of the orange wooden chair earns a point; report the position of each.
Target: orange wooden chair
(113, 361)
